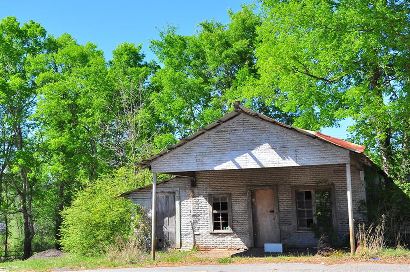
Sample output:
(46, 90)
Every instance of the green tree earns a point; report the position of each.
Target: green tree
(329, 60)
(18, 44)
(129, 75)
(72, 108)
(200, 76)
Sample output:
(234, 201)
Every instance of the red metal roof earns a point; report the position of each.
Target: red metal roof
(339, 142)
(335, 141)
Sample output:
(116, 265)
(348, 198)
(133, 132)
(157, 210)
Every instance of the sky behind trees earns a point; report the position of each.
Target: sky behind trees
(109, 23)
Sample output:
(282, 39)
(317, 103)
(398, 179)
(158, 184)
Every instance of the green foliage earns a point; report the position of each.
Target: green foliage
(201, 74)
(330, 60)
(70, 120)
(390, 200)
(98, 215)
(130, 126)
(19, 164)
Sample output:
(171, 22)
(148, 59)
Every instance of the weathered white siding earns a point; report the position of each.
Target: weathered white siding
(249, 142)
(181, 187)
(195, 216)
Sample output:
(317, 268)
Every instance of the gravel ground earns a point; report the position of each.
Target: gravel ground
(277, 267)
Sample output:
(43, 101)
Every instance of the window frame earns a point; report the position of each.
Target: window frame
(313, 191)
(211, 213)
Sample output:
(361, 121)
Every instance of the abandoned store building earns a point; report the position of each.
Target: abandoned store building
(247, 180)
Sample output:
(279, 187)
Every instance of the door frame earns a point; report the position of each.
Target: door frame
(250, 213)
(177, 213)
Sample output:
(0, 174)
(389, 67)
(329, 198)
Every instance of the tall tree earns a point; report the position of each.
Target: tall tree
(330, 60)
(72, 108)
(201, 73)
(18, 44)
(129, 74)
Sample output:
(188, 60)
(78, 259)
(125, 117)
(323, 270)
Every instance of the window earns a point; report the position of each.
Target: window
(304, 209)
(314, 207)
(220, 213)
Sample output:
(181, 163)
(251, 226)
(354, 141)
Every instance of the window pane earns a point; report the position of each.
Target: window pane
(304, 207)
(224, 206)
(302, 223)
(301, 214)
(224, 217)
(300, 196)
(216, 206)
(220, 214)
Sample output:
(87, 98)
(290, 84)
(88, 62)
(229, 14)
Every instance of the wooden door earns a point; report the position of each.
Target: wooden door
(265, 219)
(165, 225)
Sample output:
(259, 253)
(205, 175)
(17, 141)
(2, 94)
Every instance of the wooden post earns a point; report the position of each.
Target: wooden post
(153, 214)
(350, 209)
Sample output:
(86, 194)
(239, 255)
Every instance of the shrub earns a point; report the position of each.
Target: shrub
(142, 229)
(133, 248)
(98, 217)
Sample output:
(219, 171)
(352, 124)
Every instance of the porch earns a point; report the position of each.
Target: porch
(245, 160)
(242, 209)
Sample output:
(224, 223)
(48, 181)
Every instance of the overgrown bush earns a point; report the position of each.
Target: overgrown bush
(392, 199)
(142, 229)
(99, 217)
(133, 248)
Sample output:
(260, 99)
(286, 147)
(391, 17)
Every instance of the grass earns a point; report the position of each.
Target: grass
(67, 261)
(70, 261)
(175, 257)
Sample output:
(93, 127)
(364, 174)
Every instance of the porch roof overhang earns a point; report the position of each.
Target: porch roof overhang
(280, 145)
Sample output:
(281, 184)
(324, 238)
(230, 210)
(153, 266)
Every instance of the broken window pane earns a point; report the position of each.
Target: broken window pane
(304, 208)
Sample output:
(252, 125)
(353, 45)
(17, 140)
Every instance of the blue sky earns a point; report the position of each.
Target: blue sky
(109, 23)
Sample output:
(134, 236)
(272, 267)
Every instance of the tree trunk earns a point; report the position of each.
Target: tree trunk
(28, 228)
(6, 236)
(385, 151)
(58, 217)
(25, 195)
(376, 85)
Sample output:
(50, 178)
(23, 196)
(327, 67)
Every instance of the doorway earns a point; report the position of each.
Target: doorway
(165, 224)
(265, 217)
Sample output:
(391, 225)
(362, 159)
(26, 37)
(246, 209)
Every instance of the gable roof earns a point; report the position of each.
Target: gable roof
(239, 110)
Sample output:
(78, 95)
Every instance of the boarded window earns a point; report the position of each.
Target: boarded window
(220, 213)
(304, 209)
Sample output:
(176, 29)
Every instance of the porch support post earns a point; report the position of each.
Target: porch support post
(153, 214)
(350, 208)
